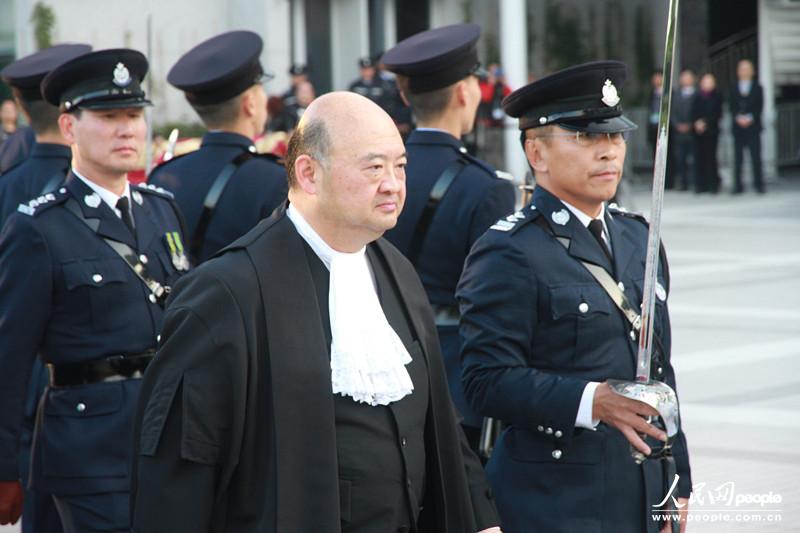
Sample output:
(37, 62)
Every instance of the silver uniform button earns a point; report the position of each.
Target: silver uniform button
(548, 431)
(621, 286)
(584, 307)
(152, 298)
(81, 407)
(97, 278)
(558, 434)
(556, 454)
(540, 428)
(633, 335)
(143, 259)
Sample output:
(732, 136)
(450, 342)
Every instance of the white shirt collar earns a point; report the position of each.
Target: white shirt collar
(745, 86)
(433, 129)
(585, 219)
(107, 196)
(314, 240)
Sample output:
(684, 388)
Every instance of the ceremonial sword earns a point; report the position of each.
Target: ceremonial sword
(657, 394)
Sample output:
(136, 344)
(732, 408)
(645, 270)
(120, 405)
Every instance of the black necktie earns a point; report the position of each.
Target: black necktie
(596, 228)
(124, 206)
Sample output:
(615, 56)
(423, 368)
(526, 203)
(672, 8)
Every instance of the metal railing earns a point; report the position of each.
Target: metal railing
(787, 123)
(724, 55)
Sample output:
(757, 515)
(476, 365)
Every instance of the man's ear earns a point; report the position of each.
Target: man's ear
(536, 153)
(248, 105)
(460, 93)
(66, 123)
(307, 171)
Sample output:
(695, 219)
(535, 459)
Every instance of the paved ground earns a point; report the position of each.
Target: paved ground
(736, 326)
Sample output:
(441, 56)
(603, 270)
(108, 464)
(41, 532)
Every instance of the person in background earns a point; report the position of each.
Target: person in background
(225, 187)
(453, 197)
(371, 85)
(683, 131)
(298, 73)
(746, 103)
(8, 119)
(305, 94)
(493, 90)
(706, 114)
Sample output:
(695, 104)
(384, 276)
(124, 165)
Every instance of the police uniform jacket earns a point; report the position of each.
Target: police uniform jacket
(256, 188)
(474, 201)
(66, 295)
(537, 327)
(378, 90)
(16, 148)
(46, 168)
(238, 425)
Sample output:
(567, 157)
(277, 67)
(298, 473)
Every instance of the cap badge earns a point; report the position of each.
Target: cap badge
(122, 77)
(561, 217)
(92, 200)
(610, 96)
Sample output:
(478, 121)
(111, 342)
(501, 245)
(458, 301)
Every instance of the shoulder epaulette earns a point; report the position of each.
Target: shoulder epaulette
(503, 175)
(517, 219)
(37, 205)
(615, 209)
(149, 188)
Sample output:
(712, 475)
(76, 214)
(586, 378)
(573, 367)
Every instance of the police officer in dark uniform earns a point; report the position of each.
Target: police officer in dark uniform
(225, 187)
(299, 74)
(542, 335)
(84, 272)
(452, 197)
(47, 166)
(16, 148)
(42, 172)
(371, 85)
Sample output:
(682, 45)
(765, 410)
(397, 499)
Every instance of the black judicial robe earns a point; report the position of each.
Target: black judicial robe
(236, 423)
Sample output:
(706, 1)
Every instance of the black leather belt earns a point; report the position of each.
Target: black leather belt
(114, 368)
(445, 315)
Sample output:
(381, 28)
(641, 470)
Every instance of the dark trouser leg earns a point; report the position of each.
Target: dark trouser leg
(93, 513)
(738, 149)
(714, 179)
(39, 514)
(754, 143)
(701, 164)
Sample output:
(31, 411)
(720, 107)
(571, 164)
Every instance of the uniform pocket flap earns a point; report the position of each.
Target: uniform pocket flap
(93, 272)
(578, 300)
(84, 401)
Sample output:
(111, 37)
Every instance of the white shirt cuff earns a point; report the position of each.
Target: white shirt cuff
(584, 418)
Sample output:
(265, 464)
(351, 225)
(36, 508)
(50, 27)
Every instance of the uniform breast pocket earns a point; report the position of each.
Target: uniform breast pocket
(582, 315)
(101, 281)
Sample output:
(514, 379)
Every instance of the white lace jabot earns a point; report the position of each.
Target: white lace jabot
(367, 357)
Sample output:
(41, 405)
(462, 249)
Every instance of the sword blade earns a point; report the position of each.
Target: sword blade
(659, 174)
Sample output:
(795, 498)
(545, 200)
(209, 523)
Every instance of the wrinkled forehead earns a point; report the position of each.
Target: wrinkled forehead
(363, 137)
